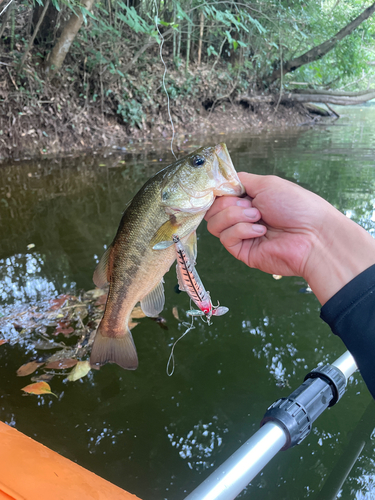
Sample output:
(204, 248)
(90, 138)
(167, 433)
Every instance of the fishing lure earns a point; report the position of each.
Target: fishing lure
(190, 282)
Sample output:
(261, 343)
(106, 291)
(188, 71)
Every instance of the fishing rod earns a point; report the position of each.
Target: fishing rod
(286, 423)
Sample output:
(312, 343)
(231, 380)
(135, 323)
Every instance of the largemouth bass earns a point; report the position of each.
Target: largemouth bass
(174, 201)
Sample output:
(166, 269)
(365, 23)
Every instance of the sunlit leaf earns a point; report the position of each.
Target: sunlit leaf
(175, 313)
(28, 368)
(38, 388)
(81, 369)
(137, 313)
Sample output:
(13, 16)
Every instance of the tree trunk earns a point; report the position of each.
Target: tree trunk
(201, 28)
(174, 33)
(340, 98)
(188, 43)
(63, 44)
(321, 50)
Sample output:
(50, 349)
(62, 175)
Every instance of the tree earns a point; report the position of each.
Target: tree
(60, 50)
(319, 51)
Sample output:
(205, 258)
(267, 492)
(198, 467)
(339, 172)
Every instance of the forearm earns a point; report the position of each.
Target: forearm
(341, 252)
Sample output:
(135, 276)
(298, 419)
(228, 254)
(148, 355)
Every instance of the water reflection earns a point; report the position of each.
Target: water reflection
(158, 427)
(22, 279)
(199, 444)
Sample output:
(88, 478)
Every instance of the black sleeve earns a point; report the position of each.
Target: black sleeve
(351, 315)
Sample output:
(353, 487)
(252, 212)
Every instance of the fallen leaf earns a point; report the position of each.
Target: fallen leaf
(137, 313)
(38, 388)
(28, 368)
(64, 328)
(96, 292)
(101, 300)
(67, 352)
(175, 313)
(45, 377)
(59, 302)
(3, 341)
(81, 369)
(61, 364)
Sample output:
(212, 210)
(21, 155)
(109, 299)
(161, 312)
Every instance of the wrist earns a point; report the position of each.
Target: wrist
(341, 251)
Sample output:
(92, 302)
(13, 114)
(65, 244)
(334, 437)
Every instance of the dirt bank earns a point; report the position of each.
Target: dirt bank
(54, 117)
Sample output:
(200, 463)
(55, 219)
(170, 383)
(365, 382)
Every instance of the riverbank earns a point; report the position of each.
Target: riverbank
(57, 118)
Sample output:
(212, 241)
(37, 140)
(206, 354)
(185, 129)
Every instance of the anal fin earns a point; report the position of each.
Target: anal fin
(153, 303)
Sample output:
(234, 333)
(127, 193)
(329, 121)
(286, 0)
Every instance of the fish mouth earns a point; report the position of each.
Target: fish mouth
(226, 177)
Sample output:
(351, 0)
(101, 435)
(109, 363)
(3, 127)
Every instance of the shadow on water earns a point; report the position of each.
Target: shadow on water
(160, 436)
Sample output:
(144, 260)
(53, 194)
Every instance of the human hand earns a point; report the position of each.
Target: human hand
(300, 234)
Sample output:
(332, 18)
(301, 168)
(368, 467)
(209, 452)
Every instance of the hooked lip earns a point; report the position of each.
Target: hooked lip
(227, 170)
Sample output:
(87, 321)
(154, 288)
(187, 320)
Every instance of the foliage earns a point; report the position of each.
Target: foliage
(112, 60)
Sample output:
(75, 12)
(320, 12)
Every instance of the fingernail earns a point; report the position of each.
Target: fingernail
(250, 212)
(258, 228)
(244, 203)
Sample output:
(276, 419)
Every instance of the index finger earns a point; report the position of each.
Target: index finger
(223, 202)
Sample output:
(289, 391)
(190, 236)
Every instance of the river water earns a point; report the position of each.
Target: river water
(159, 436)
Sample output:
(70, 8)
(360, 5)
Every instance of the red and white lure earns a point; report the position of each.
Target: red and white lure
(190, 282)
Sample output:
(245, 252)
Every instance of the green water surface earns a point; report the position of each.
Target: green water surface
(158, 436)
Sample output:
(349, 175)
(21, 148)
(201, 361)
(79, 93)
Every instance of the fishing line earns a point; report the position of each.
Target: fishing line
(171, 356)
(165, 72)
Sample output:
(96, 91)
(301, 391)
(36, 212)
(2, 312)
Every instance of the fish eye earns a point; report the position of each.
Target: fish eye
(198, 161)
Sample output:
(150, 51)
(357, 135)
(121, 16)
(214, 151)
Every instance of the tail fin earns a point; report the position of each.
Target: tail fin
(119, 350)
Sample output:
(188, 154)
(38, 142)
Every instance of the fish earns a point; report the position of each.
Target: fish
(190, 282)
(173, 201)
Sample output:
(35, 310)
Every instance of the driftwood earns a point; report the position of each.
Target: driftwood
(340, 97)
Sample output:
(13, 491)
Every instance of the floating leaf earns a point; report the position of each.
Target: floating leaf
(175, 313)
(64, 328)
(137, 313)
(38, 388)
(67, 352)
(101, 300)
(81, 369)
(28, 368)
(61, 364)
(59, 302)
(45, 377)
(3, 341)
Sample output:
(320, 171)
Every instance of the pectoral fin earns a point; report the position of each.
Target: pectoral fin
(101, 277)
(162, 245)
(165, 233)
(153, 303)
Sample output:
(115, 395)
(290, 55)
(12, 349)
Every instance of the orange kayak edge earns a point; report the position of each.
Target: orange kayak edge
(31, 471)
